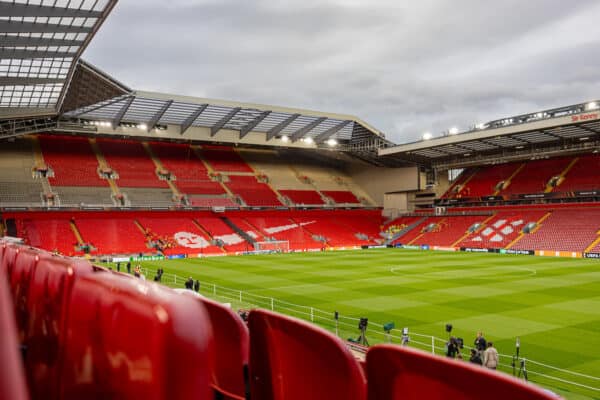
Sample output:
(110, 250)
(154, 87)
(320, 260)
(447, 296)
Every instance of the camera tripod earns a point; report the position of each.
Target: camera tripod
(362, 339)
(522, 367)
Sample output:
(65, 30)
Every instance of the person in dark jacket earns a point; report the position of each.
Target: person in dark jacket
(129, 267)
(196, 285)
(480, 343)
(189, 284)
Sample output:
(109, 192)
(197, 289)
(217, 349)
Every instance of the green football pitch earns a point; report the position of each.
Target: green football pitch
(551, 304)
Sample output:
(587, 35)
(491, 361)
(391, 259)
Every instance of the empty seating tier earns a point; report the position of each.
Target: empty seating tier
(306, 197)
(224, 159)
(584, 175)
(72, 160)
(112, 235)
(17, 185)
(341, 196)
(132, 163)
(564, 230)
(445, 231)
(51, 234)
(535, 175)
(252, 191)
(501, 230)
(200, 201)
(485, 180)
(190, 172)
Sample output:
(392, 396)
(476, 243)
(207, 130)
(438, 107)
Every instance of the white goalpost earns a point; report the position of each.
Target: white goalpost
(273, 246)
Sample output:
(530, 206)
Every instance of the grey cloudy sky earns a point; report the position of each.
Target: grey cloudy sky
(406, 67)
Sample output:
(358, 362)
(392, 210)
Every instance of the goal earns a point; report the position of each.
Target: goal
(274, 246)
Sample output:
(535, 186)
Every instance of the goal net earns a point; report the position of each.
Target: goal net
(275, 246)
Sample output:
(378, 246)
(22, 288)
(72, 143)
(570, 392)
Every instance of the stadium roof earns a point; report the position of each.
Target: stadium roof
(573, 128)
(40, 44)
(150, 110)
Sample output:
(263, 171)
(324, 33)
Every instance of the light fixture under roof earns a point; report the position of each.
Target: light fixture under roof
(332, 142)
(285, 138)
(308, 140)
(453, 131)
(427, 136)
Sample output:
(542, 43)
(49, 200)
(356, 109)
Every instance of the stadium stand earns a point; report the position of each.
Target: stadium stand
(282, 228)
(395, 373)
(177, 235)
(12, 376)
(564, 230)
(283, 366)
(232, 242)
(485, 180)
(502, 229)
(72, 160)
(131, 162)
(535, 175)
(252, 191)
(224, 159)
(113, 235)
(51, 234)
(445, 231)
(341, 196)
(303, 197)
(190, 172)
(584, 175)
(331, 228)
(17, 184)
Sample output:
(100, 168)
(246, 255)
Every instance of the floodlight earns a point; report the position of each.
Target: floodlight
(332, 142)
(427, 136)
(592, 105)
(142, 126)
(480, 125)
(284, 138)
(308, 140)
(453, 131)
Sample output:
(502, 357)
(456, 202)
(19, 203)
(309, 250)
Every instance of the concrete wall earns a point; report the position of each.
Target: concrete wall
(377, 181)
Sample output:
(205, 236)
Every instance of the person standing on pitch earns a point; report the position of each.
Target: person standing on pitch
(490, 356)
(480, 343)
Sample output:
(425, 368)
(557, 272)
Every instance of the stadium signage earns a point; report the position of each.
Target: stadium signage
(524, 252)
(588, 193)
(476, 250)
(492, 198)
(584, 117)
(591, 255)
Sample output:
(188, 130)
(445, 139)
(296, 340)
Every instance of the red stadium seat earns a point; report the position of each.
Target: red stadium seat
(395, 372)
(12, 377)
(291, 359)
(232, 348)
(22, 269)
(45, 335)
(130, 339)
(8, 256)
